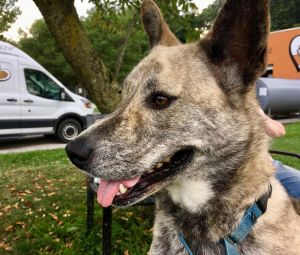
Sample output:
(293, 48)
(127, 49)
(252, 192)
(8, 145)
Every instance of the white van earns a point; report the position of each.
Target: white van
(32, 101)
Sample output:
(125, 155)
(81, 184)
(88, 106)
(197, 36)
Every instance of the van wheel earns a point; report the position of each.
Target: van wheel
(68, 130)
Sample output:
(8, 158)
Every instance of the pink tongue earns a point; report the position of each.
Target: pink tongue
(108, 190)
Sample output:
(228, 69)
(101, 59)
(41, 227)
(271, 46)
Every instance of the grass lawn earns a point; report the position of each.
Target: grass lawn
(42, 206)
(290, 142)
(43, 210)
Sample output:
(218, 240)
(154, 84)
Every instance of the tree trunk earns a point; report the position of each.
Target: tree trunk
(63, 22)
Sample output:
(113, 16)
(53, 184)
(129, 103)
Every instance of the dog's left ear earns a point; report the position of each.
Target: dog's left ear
(239, 38)
(155, 26)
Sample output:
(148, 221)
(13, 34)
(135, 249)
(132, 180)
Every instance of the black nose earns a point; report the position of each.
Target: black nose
(79, 152)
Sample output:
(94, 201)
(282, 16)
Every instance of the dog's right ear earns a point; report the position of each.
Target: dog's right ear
(155, 27)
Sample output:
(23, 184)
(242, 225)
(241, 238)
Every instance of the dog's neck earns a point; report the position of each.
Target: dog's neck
(219, 214)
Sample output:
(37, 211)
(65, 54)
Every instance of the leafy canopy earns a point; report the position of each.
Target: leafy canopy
(285, 14)
(8, 14)
(41, 46)
(108, 24)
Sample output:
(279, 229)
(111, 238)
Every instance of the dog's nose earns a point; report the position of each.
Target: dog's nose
(79, 152)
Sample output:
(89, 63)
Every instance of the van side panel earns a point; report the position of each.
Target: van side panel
(39, 109)
(31, 100)
(10, 98)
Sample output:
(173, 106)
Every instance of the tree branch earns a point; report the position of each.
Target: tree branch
(129, 31)
(69, 34)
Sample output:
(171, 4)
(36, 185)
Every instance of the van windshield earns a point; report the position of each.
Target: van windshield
(39, 84)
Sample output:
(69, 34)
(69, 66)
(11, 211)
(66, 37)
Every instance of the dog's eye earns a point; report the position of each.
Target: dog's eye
(160, 101)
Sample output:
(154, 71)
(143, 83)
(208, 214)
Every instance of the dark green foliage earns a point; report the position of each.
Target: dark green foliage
(205, 20)
(285, 14)
(107, 26)
(107, 37)
(8, 14)
(41, 46)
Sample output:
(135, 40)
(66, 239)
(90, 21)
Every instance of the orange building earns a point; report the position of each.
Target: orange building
(284, 54)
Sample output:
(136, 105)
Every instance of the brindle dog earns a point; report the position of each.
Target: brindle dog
(188, 131)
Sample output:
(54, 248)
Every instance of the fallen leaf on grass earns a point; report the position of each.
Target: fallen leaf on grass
(126, 252)
(28, 234)
(39, 176)
(9, 228)
(16, 205)
(69, 245)
(129, 214)
(7, 208)
(21, 223)
(8, 248)
(51, 194)
(54, 217)
(21, 194)
(138, 218)
(29, 212)
(12, 187)
(37, 186)
(47, 248)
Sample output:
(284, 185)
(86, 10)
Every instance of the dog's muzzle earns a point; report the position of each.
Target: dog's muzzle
(79, 152)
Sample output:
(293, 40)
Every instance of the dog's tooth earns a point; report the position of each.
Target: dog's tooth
(159, 165)
(167, 160)
(122, 188)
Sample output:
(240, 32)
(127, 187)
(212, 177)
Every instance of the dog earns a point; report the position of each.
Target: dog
(188, 132)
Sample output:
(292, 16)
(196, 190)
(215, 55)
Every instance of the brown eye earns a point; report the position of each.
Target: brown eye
(160, 100)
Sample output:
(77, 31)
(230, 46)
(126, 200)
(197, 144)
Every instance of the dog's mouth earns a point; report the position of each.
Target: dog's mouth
(127, 192)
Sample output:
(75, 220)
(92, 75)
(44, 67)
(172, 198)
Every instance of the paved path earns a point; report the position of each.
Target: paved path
(30, 143)
(287, 121)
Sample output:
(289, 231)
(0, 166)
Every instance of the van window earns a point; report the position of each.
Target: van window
(39, 84)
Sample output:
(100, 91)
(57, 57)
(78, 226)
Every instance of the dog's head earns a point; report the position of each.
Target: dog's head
(187, 111)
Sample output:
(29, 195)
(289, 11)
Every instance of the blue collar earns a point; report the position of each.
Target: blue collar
(249, 219)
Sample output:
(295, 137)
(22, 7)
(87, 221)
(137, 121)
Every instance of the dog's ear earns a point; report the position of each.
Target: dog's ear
(239, 38)
(155, 27)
